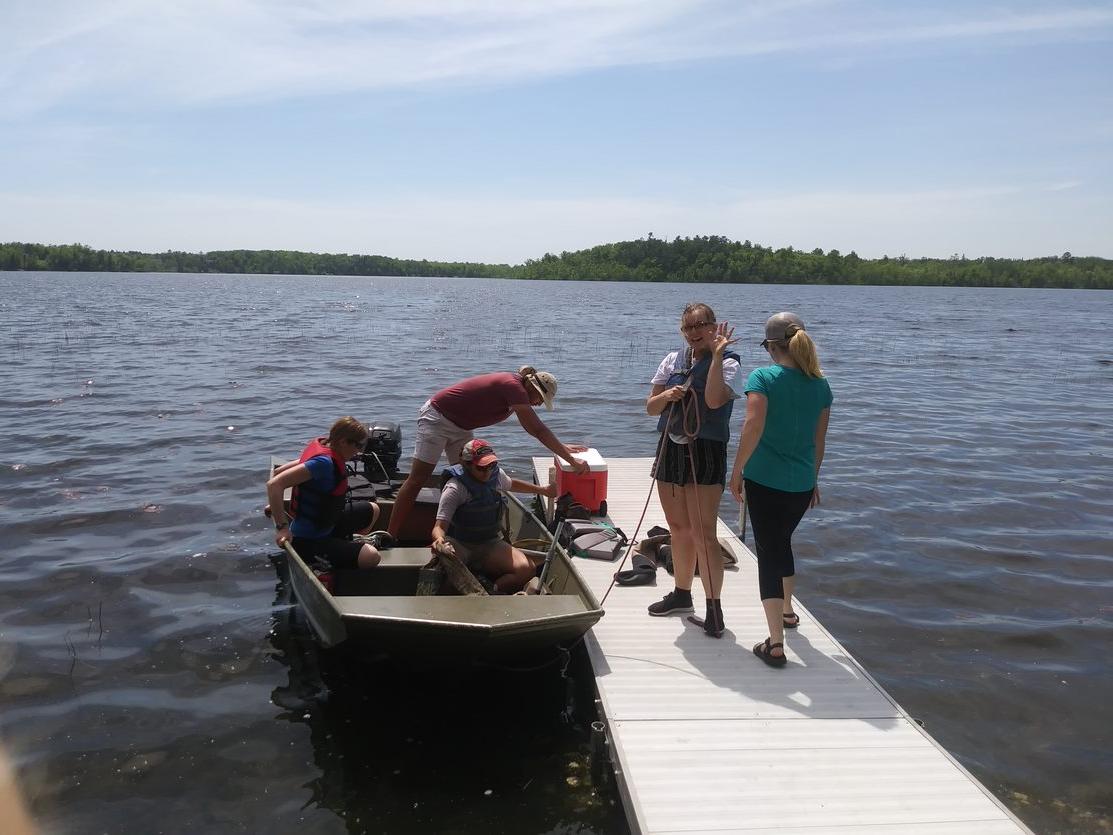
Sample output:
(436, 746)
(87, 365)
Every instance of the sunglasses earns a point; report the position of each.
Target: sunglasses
(695, 326)
(484, 468)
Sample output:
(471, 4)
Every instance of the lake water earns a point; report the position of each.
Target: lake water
(152, 680)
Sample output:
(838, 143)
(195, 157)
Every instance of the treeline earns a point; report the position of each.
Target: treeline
(79, 258)
(713, 259)
(720, 260)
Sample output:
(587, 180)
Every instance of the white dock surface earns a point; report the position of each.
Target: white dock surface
(707, 738)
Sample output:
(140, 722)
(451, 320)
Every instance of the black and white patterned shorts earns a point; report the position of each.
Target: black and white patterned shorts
(674, 465)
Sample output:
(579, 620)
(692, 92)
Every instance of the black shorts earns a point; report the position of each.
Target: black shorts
(337, 549)
(674, 465)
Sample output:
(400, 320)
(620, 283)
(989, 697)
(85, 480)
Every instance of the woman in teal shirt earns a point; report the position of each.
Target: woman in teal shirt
(777, 465)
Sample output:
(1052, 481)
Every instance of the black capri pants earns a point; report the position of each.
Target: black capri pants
(774, 515)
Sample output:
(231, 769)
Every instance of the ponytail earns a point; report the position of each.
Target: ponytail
(803, 353)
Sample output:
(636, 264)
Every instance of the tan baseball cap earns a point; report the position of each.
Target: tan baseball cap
(782, 326)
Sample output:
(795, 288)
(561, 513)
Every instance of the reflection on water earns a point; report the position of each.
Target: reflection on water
(963, 550)
(403, 750)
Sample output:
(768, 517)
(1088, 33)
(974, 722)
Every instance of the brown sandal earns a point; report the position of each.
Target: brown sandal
(791, 620)
(764, 651)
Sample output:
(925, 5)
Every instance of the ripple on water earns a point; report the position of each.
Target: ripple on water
(962, 551)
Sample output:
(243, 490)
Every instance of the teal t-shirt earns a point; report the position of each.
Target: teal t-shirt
(785, 455)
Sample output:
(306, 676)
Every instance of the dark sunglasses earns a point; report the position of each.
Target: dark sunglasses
(485, 467)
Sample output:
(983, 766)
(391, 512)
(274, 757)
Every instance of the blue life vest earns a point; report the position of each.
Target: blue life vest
(714, 424)
(480, 517)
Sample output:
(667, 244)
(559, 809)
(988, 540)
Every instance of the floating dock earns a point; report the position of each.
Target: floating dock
(706, 738)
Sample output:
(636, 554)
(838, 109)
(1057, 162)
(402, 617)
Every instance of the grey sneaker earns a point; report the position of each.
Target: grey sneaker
(674, 603)
(379, 540)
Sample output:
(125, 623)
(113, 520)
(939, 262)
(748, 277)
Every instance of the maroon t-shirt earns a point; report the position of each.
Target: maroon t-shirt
(481, 401)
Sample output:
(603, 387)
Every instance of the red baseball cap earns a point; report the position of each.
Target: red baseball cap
(478, 452)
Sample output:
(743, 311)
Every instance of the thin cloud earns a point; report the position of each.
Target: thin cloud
(134, 54)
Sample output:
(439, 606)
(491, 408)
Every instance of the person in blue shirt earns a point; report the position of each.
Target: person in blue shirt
(322, 520)
(777, 466)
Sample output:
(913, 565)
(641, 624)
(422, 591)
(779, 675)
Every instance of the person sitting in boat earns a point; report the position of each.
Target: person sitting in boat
(446, 421)
(470, 514)
(322, 522)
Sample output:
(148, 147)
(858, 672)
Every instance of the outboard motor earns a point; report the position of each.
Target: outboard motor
(382, 453)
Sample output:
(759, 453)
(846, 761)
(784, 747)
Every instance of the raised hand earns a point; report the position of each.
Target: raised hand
(724, 336)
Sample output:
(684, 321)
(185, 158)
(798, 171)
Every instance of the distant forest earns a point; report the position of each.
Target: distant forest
(712, 258)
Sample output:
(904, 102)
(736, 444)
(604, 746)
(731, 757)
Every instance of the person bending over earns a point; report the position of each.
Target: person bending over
(470, 513)
(446, 421)
(322, 524)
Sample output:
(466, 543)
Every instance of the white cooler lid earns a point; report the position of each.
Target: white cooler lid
(595, 462)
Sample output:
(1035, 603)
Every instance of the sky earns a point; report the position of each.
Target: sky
(499, 130)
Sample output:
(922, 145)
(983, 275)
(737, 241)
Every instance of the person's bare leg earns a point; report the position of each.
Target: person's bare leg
(407, 494)
(703, 510)
(682, 533)
(368, 557)
(790, 588)
(774, 613)
(511, 568)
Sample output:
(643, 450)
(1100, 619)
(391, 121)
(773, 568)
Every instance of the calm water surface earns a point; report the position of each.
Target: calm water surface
(153, 676)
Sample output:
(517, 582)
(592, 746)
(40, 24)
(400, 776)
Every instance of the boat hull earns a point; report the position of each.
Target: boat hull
(379, 609)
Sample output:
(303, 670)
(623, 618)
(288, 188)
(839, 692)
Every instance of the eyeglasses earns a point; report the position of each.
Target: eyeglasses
(485, 467)
(695, 326)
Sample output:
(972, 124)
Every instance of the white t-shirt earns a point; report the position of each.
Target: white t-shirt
(668, 366)
(669, 363)
(455, 494)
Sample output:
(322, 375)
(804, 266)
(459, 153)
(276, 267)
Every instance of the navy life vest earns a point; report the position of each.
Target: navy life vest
(480, 517)
(714, 424)
(321, 509)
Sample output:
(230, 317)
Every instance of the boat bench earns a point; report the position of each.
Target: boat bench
(467, 612)
(405, 558)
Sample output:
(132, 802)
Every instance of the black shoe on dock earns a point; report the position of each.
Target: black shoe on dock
(676, 602)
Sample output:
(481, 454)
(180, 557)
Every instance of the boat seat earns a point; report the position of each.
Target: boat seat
(479, 612)
(405, 557)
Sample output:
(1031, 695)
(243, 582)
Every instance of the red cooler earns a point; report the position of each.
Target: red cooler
(590, 488)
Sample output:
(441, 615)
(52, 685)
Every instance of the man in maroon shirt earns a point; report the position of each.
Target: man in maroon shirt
(446, 421)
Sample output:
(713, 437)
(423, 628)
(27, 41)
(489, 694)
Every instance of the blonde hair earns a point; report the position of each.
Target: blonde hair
(347, 429)
(803, 353)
